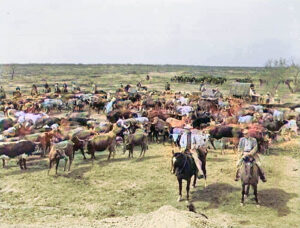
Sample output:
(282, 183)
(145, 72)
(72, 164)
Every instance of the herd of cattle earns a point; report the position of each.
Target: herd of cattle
(202, 79)
(59, 124)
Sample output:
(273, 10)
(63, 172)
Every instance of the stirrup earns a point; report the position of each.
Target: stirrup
(200, 176)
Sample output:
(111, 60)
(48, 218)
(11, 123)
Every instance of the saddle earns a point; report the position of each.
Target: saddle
(249, 159)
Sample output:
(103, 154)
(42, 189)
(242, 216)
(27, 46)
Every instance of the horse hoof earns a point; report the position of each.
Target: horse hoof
(241, 204)
(179, 199)
(194, 186)
(257, 205)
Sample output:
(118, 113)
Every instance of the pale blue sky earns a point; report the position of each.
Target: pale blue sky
(198, 32)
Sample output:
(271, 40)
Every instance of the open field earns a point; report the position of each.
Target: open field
(109, 77)
(122, 187)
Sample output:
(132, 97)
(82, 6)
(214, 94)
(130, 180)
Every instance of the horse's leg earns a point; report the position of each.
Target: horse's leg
(243, 194)
(195, 179)
(3, 163)
(188, 189)
(255, 194)
(247, 190)
(180, 189)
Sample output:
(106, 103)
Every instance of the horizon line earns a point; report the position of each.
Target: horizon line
(138, 64)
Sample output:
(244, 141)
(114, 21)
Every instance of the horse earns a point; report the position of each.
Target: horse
(249, 176)
(184, 167)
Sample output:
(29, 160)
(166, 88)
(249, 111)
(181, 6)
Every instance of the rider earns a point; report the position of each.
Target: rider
(248, 147)
(189, 144)
(65, 88)
(167, 86)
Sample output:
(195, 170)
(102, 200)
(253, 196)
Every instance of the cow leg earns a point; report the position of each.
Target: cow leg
(142, 149)
(57, 162)
(82, 152)
(132, 151)
(180, 189)
(24, 163)
(50, 166)
(188, 188)
(70, 162)
(65, 167)
(203, 167)
(109, 154)
(20, 163)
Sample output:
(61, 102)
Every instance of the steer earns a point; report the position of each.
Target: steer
(19, 149)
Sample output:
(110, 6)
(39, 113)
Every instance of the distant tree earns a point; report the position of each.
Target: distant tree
(12, 69)
(281, 71)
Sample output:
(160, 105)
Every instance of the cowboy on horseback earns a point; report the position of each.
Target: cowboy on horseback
(248, 148)
(189, 143)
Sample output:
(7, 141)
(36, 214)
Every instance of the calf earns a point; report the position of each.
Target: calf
(138, 138)
(61, 150)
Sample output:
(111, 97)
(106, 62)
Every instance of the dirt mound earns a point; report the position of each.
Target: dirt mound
(166, 216)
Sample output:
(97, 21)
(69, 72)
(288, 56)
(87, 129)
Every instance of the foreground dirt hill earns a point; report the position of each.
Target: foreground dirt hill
(166, 216)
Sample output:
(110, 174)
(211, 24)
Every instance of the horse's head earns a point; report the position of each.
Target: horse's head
(178, 160)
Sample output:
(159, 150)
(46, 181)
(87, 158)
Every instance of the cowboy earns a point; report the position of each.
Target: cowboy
(47, 88)
(18, 92)
(56, 88)
(248, 148)
(2, 93)
(167, 86)
(268, 98)
(34, 90)
(65, 88)
(189, 143)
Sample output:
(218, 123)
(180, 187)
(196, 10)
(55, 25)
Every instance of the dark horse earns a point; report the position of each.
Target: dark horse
(249, 176)
(184, 167)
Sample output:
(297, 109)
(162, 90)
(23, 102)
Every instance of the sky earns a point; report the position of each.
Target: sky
(187, 32)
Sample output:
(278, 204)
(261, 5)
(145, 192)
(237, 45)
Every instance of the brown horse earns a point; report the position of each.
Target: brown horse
(249, 177)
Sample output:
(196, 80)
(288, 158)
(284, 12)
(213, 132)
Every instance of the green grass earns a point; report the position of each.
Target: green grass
(123, 187)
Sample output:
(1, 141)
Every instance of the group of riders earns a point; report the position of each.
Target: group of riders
(248, 149)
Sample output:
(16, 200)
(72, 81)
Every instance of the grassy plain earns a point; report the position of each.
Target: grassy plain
(123, 187)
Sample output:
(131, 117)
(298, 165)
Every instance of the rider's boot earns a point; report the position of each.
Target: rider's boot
(261, 174)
